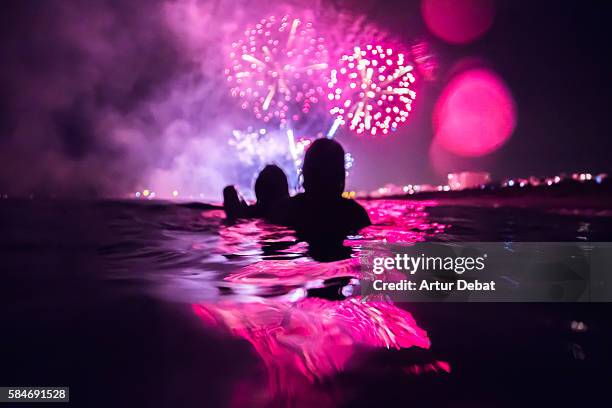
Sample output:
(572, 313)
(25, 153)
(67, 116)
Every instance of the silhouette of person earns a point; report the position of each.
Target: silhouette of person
(320, 215)
(271, 187)
(233, 204)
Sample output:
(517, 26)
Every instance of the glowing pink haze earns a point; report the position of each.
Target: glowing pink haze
(474, 115)
(458, 21)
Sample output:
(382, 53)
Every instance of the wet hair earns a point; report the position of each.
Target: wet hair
(271, 185)
(323, 169)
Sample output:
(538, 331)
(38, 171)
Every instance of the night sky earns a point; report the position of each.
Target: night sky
(90, 93)
(555, 58)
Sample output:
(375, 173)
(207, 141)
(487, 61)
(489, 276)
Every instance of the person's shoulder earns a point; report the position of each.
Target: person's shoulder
(356, 211)
(293, 202)
(351, 204)
(299, 197)
(285, 210)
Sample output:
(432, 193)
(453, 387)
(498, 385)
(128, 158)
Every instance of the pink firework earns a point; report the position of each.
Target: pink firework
(371, 89)
(278, 68)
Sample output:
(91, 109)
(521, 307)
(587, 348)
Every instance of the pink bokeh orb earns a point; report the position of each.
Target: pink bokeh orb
(475, 114)
(458, 21)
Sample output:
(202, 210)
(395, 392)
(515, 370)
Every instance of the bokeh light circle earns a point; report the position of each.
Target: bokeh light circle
(475, 114)
(458, 21)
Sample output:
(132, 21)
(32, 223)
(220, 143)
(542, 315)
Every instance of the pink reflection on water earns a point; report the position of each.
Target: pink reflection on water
(303, 340)
(310, 340)
(400, 221)
(247, 237)
(436, 366)
(393, 221)
(293, 272)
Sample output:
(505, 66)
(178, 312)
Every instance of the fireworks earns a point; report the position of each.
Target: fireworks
(371, 89)
(278, 69)
(258, 147)
(348, 162)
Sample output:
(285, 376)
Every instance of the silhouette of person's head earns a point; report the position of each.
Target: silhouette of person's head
(323, 169)
(232, 203)
(230, 194)
(271, 185)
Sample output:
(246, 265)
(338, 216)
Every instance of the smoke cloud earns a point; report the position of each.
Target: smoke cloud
(110, 97)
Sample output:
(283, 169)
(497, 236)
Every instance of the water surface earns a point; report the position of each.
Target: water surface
(158, 304)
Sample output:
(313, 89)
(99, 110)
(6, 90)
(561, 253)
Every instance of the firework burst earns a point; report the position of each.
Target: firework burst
(278, 69)
(371, 89)
(256, 148)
